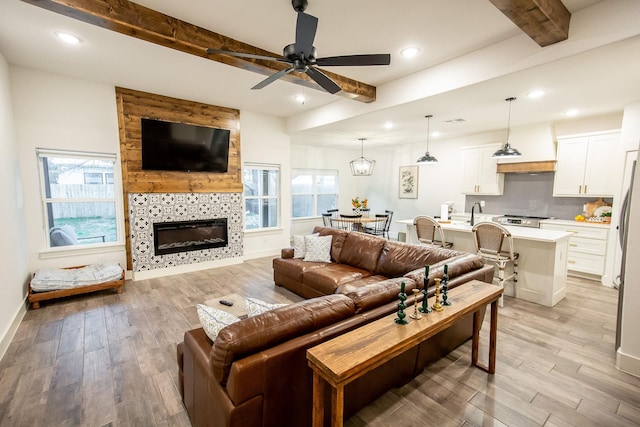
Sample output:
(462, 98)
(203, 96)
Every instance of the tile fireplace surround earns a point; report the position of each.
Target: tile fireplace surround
(145, 209)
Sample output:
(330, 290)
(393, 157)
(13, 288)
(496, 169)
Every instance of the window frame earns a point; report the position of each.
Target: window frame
(42, 153)
(314, 193)
(261, 197)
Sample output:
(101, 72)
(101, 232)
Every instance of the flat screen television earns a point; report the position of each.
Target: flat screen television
(170, 146)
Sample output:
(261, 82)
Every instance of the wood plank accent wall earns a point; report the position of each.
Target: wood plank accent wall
(133, 105)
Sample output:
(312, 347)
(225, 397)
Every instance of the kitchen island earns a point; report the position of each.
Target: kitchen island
(542, 266)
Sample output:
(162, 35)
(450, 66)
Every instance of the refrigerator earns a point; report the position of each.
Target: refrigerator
(623, 227)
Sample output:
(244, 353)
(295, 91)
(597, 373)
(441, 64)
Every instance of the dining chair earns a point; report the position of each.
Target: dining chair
(326, 219)
(489, 238)
(377, 228)
(333, 212)
(387, 226)
(355, 225)
(430, 231)
(342, 224)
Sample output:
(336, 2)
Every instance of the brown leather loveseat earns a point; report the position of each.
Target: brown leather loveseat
(256, 371)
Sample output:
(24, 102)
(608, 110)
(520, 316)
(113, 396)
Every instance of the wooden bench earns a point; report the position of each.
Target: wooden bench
(35, 297)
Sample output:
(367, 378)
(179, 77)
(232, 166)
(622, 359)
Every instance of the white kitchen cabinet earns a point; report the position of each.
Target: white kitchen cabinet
(480, 176)
(587, 245)
(582, 167)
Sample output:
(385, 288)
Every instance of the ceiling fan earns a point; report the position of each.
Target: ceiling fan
(302, 54)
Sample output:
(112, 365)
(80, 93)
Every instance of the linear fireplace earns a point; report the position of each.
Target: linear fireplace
(184, 236)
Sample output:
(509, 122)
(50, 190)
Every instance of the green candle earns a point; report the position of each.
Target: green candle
(426, 277)
(402, 288)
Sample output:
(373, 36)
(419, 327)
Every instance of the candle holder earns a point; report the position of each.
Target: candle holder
(402, 296)
(436, 305)
(425, 291)
(416, 315)
(445, 286)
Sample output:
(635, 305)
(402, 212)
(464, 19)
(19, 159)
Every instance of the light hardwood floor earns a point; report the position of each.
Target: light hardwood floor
(109, 360)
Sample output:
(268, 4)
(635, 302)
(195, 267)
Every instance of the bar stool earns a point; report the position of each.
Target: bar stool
(489, 238)
(426, 228)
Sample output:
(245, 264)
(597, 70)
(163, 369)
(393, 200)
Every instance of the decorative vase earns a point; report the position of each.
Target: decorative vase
(357, 211)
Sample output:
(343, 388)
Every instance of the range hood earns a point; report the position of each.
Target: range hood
(527, 167)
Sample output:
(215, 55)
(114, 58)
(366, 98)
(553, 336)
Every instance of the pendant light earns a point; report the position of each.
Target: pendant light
(362, 166)
(507, 150)
(427, 158)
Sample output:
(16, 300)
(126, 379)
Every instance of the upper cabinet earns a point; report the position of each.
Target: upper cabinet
(582, 167)
(480, 176)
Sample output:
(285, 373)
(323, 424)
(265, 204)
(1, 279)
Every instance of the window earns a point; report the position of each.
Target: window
(261, 196)
(79, 204)
(313, 192)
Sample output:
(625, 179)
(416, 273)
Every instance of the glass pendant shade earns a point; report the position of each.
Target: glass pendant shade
(427, 158)
(362, 166)
(507, 150)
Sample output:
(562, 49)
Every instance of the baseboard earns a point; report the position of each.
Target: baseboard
(262, 254)
(179, 269)
(13, 328)
(627, 363)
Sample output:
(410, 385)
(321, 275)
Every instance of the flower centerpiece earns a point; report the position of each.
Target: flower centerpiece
(358, 205)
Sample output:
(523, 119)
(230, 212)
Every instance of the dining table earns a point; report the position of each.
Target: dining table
(358, 223)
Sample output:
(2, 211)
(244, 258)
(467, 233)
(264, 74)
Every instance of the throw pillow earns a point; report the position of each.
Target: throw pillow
(213, 320)
(318, 248)
(299, 247)
(256, 306)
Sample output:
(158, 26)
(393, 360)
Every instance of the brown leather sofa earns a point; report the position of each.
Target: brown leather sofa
(256, 371)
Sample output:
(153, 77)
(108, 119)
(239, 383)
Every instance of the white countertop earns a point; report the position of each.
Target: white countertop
(571, 222)
(525, 233)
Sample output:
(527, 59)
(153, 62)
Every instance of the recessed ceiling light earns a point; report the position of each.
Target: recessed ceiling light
(456, 120)
(409, 52)
(67, 38)
(535, 93)
(435, 134)
(388, 125)
(572, 112)
(300, 99)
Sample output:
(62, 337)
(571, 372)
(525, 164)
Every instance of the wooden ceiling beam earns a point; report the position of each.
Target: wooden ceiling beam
(137, 21)
(545, 21)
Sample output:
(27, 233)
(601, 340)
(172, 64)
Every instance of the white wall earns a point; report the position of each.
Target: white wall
(13, 244)
(629, 351)
(53, 111)
(264, 141)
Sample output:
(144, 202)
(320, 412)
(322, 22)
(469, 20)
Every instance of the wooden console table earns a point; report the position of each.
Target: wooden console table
(343, 359)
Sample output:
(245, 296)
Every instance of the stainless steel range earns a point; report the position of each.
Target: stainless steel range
(520, 220)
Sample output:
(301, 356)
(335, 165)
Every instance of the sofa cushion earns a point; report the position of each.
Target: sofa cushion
(213, 320)
(328, 278)
(377, 294)
(362, 251)
(295, 268)
(398, 258)
(256, 306)
(338, 237)
(318, 248)
(299, 246)
(257, 333)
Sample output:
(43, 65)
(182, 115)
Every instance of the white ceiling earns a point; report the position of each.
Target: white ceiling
(595, 71)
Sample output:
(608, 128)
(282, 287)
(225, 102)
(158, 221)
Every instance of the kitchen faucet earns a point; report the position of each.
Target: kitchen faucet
(472, 208)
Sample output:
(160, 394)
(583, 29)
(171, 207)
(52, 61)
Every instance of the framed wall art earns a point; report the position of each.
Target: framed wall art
(408, 182)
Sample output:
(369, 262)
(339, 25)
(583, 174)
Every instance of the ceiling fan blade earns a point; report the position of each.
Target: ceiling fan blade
(246, 55)
(272, 78)
(324, 81)
(306, 27)
(374, 59)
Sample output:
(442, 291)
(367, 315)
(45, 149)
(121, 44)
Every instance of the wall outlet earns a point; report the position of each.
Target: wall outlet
(482, 203)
